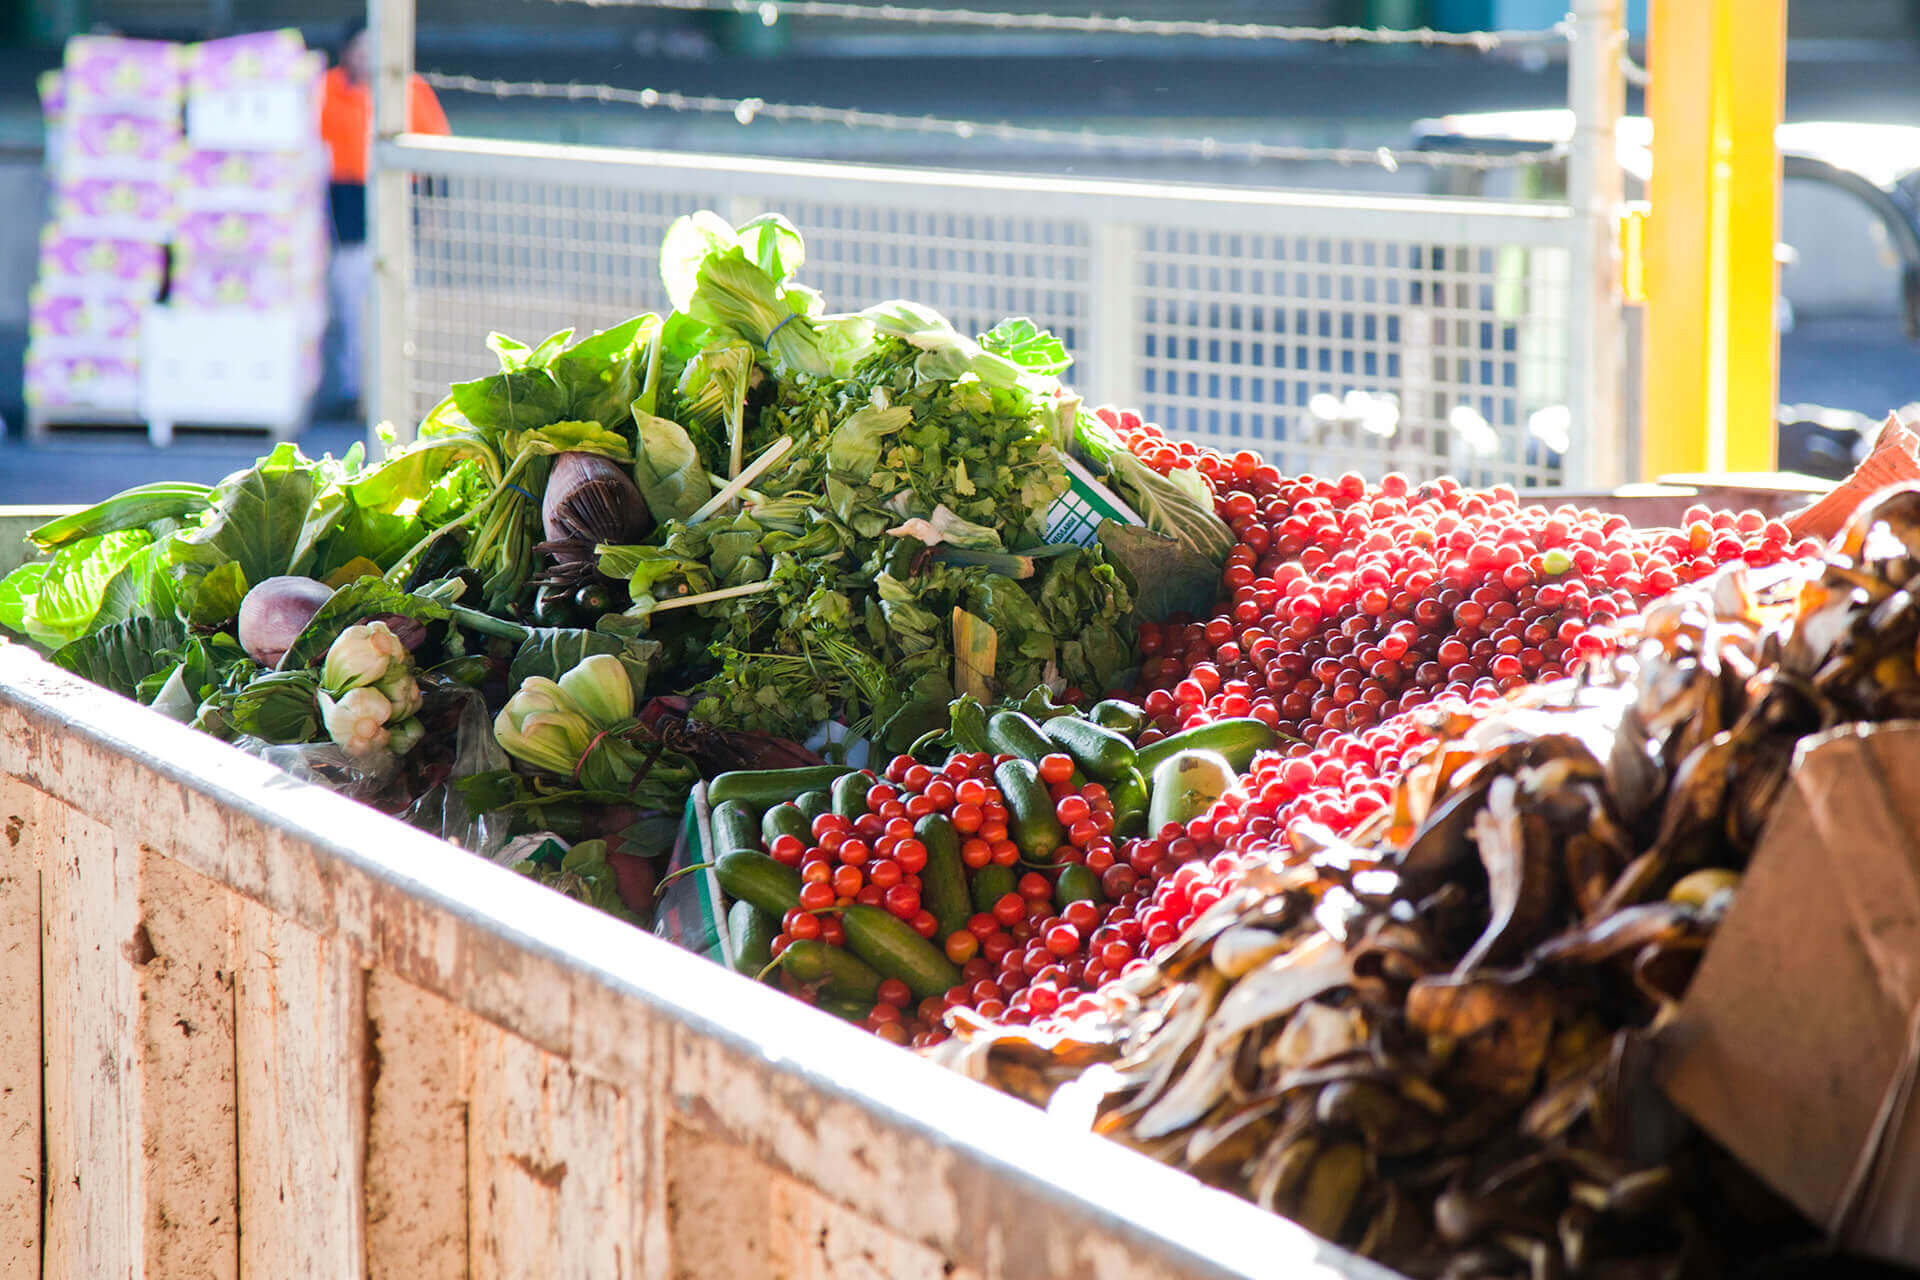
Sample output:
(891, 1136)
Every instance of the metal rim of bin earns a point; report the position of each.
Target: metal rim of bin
(1161, 1217)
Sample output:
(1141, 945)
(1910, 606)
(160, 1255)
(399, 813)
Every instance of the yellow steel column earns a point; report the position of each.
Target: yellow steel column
(1718, 73)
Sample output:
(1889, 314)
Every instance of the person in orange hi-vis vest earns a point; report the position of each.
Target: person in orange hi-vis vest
(346, 126)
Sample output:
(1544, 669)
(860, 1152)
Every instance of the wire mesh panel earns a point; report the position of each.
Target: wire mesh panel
(976, 269)
(1333, 353)
(527, 258)
(1327, 332)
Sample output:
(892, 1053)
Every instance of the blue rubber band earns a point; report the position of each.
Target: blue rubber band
(522, 492)
(768, 344)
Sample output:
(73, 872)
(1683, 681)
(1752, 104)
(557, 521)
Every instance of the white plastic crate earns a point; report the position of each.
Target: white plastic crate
(227, 366)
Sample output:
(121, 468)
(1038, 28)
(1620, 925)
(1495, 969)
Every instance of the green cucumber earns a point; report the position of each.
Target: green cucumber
(1118, 715)
(763, 788)
(943, 881)
(1029, 810)
(849, 794)
(890, 945)
(1238, 740)
(1186, 785)
(753, 932)
(1076, 884)
(785, 820)
(842, 977)
(1130, 799)
(845, 1010)
(735, 827)
(756, 878)
(813, 804)
(1102, 753)
(990, 884)
(1013, 734)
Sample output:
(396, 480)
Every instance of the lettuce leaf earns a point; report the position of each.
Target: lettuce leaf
(667, 468)
(257, 521)
(124, 655)
(74, 583)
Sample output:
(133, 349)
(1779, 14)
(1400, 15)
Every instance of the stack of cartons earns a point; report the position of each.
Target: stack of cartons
(184, 274)
(103, 256)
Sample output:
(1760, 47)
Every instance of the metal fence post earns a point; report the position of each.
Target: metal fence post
(1113, 312)
(1603, 453)
(388, 354)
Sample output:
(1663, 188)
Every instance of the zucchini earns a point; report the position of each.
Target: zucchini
(756, 878)
(1076, 884)
(842, 978)
(1030, 810)
(760, 789)
(1186, 785)
(890, 945)
(785, 820)
(1011, 733)
(849, 794)
(943, 881)
(1119, 715)
(812, 805)
(753, 931)
(1239, 740)
(1130, 798)
(1101, 753)
(990, 884)
(735, 828)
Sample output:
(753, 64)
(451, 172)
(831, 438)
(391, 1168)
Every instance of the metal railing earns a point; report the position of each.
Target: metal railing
(1473, 337)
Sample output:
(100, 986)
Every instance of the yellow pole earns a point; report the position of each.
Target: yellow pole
(1718, 74)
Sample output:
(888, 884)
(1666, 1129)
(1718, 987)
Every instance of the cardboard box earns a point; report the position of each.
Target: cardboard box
(100, 264)
(282, 182)
(106, 380)
(125, 208)
(120, 146)
(221, 364)
(111, 75)
(57, 319)
(692, 911)
(234, 282)
(254, 92)
(1798, 1042)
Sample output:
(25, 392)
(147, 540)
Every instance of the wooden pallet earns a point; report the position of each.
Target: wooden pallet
(45, 425)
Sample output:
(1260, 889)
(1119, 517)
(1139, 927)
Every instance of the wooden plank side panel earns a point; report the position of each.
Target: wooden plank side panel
(416, 1175)
(188, 1108)
(21, 836)
(301, 1068)
(556, 1183)
(89, 920)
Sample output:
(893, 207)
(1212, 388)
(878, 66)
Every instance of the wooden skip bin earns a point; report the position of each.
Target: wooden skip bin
(259, 1030)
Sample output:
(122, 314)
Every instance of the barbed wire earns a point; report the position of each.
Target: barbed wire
(746, 111)
(771, 11)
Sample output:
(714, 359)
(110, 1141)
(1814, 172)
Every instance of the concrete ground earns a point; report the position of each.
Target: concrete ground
(85, 464)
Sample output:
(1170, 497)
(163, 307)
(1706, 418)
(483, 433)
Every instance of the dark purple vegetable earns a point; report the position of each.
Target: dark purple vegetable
(590, 500)
(410, 632)
(275, 612)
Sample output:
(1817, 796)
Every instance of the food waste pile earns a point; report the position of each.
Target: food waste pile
(1342, 841)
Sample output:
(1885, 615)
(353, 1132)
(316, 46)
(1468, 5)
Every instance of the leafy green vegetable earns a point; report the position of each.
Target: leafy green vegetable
(70, 588)
(1027, 345)
(125, 654)
(582, 873)
(667, 468)
(17, 592)
(275, 706)
(554, 651)
(1180, 508)
(255, 524)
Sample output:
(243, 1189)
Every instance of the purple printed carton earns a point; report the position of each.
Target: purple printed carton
(120, 146)
(106, 379)
(265, 59)
(108, 74)
(66, 318)
(236, 282)
(101, 264)
(131, 208)
(251, 181)
(252, 235)
(53, 110)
